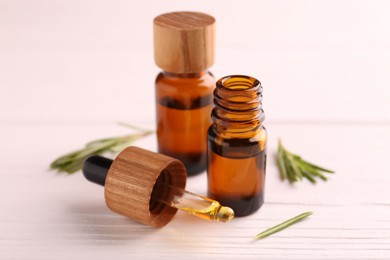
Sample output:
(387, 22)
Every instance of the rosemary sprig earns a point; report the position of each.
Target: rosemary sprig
(73, 161)
(282, 225)
(294, 168)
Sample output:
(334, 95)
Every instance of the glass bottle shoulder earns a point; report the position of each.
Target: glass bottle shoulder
(199, 82)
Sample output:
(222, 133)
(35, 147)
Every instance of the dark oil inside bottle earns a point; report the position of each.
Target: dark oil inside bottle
(236, 173)
(183, 117)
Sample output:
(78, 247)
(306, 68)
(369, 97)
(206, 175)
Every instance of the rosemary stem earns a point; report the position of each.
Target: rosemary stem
(73, 161)
(294, 168)
(282, 225)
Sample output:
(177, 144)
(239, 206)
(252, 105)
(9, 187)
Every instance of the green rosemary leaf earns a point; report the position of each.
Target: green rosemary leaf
(98, 142)
(73, 161)
(296, 168)
(282, 165)
(318, 167)
(285, 160)
(314, 172)
(72, 167)
(120, 146)
(298, 158)
(308, 176)
(292, 177)
(292, 172)
(282, 225)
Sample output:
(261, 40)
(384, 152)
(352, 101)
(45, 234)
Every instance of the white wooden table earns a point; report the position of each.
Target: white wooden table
(70, 70)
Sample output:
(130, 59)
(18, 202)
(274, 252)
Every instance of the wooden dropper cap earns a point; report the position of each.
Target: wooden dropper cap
(184, 42)
(129, 182)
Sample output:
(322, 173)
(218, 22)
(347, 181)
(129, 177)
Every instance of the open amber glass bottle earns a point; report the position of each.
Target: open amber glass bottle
(237, 145)
(184, 50)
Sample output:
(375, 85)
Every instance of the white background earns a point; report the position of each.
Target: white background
(69, 70)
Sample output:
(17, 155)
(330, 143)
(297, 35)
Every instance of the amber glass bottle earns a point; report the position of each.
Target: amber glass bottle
(237, 145)
(184, 49)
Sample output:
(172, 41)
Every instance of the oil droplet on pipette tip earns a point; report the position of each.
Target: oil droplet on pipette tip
(225, 214)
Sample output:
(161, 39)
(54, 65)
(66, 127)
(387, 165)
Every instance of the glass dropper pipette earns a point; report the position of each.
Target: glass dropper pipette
(192, 203)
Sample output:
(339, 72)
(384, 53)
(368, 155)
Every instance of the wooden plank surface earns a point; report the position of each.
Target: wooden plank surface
(46, 214)
(70, 69)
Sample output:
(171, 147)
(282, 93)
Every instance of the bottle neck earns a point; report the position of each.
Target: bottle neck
(184, 75)
(238, 110)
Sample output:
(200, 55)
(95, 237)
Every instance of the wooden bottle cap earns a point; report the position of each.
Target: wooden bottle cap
(184, 42)
(130, 181)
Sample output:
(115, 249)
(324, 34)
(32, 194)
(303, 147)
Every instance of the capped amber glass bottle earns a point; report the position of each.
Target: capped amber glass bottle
(237, 145)
(184, 49)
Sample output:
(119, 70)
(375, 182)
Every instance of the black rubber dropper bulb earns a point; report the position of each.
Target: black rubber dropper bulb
(95, 169)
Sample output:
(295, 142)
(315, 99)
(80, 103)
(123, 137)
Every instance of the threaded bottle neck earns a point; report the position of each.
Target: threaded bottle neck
(238, 107)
